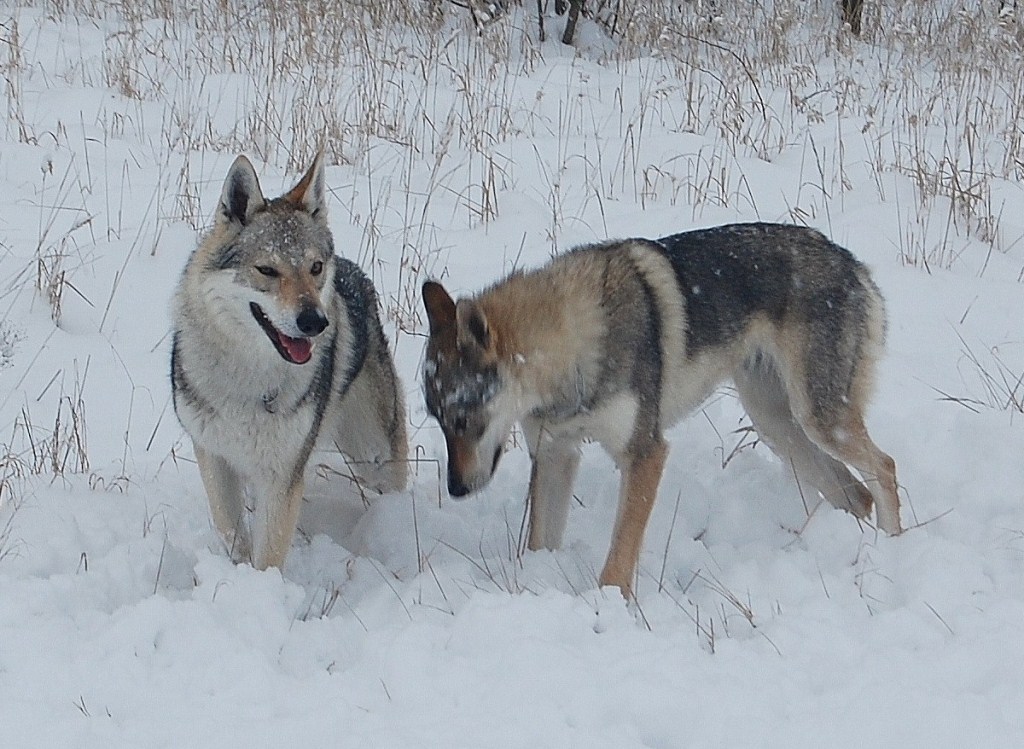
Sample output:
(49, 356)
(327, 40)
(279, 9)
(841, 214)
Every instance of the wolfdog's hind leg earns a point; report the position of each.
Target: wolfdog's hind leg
(226, 494)
(850, 442)
(765, 400)
(369, 428)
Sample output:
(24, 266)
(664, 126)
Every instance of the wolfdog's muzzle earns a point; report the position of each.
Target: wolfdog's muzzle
(310, 321)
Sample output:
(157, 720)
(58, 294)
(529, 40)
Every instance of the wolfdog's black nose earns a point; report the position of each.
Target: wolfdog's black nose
(311, 321)
(456, 488)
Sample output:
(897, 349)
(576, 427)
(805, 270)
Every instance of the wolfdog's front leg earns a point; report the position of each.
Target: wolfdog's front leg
(274, 521)
(226, 494)
(638, 490)
(553, 468)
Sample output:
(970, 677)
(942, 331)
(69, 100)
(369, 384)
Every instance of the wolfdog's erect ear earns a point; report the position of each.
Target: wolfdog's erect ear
(241, 196)
(309, 194)
(472, 324)
(440, 307)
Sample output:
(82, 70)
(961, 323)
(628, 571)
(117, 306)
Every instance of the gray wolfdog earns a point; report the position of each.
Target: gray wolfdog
(278, 349)
(616, 342)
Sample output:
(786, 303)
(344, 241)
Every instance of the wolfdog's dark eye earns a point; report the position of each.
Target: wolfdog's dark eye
(267, 271)
(317, 268)
(459, 425)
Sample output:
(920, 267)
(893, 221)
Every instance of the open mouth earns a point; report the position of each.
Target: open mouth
(294, 350)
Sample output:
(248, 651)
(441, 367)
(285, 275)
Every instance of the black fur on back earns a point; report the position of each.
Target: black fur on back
(729, 274)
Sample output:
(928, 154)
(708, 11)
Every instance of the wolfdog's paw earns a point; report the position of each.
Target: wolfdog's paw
(383, 476)
(856, 500)
(239, 548)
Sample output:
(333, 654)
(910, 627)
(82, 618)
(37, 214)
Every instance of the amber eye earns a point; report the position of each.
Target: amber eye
(317, 268)
(267, 271)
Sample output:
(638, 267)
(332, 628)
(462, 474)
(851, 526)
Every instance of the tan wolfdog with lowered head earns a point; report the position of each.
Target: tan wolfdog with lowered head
(616, 342)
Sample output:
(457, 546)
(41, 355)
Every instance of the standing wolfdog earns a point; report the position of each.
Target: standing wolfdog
(616, 342)
(278, 348)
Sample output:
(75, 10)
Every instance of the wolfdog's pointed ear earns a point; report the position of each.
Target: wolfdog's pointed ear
(241, 196)
(310, 193)
(440, 307)
(472, 324)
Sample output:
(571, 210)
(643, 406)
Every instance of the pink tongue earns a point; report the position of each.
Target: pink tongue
(299, 349)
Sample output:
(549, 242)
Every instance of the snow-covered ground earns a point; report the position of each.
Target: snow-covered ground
(762, 618)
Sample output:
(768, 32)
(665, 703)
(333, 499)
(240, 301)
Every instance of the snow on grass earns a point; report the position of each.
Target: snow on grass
(410, 620)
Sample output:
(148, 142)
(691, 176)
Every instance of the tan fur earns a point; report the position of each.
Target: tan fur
(295, 287)
(640, 481)
(544, 326)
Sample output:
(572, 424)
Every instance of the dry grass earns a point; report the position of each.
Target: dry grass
(424, 105)
(998, 385)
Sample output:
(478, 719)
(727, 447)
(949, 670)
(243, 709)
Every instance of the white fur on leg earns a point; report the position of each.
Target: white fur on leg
(555, 463)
